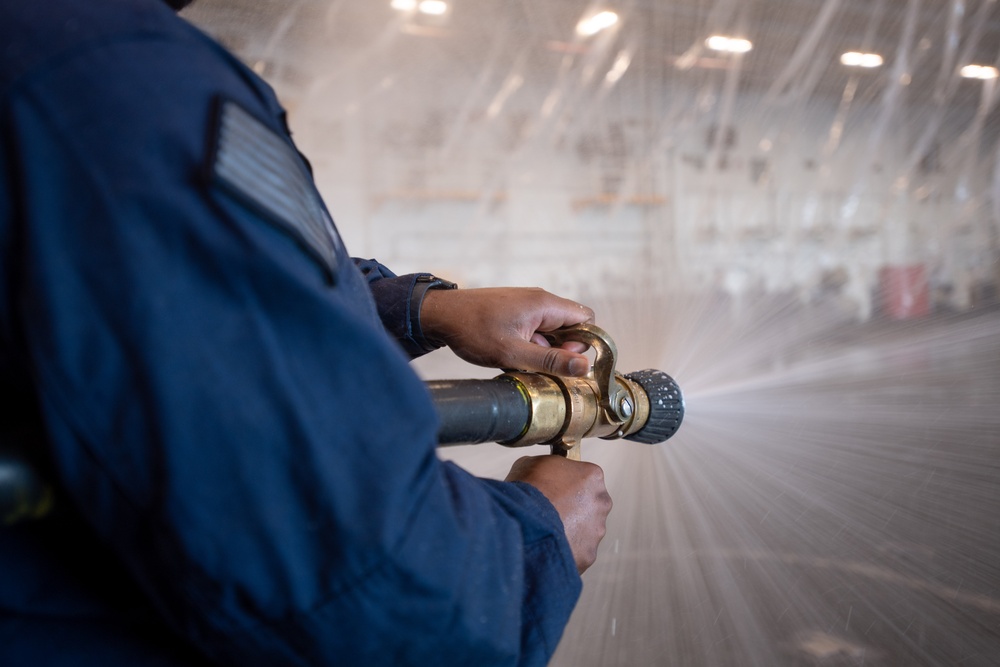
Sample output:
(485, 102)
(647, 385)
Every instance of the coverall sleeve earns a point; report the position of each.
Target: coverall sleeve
(399, 312)
(238, 429)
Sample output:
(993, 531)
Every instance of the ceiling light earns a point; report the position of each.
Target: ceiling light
(728, 44)
(433, 7)
(983, 72)
(404, 5)
(856, 59)
(596, 23)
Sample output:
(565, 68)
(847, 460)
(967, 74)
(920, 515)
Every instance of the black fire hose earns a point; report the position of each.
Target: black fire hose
(477, 411)
(520, 409)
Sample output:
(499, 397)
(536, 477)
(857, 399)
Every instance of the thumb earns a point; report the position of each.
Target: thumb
(554, 360)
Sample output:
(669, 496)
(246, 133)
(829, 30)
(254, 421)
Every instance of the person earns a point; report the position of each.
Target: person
(245, 463)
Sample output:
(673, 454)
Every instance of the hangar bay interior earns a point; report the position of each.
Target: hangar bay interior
(791, 206)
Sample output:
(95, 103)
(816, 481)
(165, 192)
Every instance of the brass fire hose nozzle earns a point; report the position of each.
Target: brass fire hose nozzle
(565, 410)
(520, 408)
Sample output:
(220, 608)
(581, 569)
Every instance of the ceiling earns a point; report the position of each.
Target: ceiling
(797, 43)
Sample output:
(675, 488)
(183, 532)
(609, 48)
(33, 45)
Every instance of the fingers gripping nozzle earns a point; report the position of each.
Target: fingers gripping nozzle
(521, 408)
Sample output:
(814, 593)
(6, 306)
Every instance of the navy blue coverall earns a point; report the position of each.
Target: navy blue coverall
(245, 461)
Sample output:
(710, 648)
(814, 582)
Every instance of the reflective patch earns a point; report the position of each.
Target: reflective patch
(265, 171)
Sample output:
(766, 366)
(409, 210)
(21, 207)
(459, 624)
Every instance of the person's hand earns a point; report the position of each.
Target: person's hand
(576, 489)
(500, 328)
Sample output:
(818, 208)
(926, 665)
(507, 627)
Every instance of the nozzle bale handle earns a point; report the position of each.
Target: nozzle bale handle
(603, 371)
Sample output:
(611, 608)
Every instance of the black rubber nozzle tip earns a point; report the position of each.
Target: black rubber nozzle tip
(666, 406)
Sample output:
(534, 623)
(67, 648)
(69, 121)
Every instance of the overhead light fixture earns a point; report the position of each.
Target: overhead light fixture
(596, 23)
(984, 72)
(432, 7)
(857, 59)
(728, 44)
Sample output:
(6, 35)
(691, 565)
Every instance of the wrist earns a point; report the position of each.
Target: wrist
(421, 321)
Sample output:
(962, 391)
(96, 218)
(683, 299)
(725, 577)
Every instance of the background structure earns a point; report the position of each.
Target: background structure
(808, 240)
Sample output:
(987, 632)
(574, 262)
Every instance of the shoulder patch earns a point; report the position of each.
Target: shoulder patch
(263, 170)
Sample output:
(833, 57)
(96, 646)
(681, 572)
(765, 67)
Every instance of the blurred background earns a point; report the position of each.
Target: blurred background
(791, 206)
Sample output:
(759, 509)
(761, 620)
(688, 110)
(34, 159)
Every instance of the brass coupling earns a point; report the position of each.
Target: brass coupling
(564, 410)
